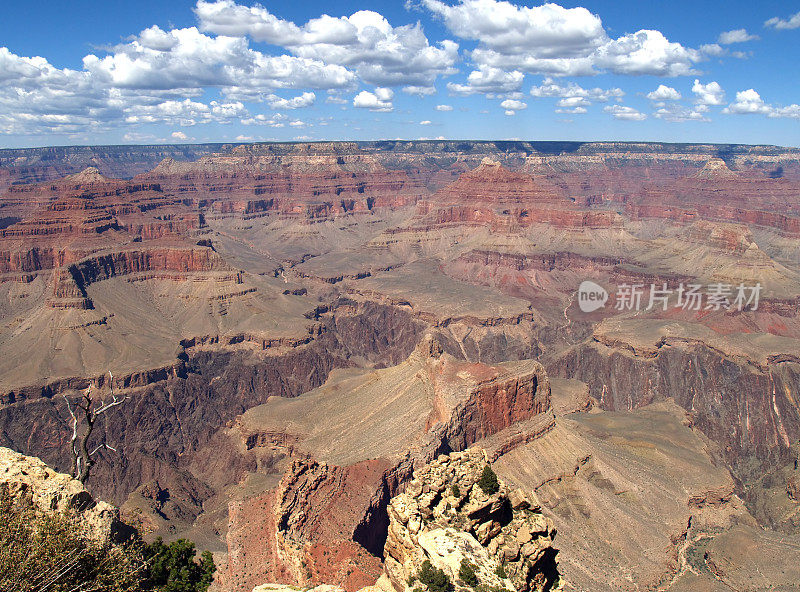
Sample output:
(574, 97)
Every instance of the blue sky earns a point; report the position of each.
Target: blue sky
(85, 72)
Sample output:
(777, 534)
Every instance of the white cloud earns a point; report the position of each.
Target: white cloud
(335, 99)
(573, 110)
(647, 52)
(750, 102)
(550, 39)
(193, 60)
(676, 113)
(277, 120)
(137, 137)
(708, 94)
(736, 36)
(365, 41)
(747, 101)
(793, 22)
(713, 50)
(185, 112)
(420, 91)
(488, 80)
(624, 113)
(380, 100)
(179, 136)
(513, 105)
(189, 60)
(545, 31)
(425, 122)
(444, 107)
(305, 100)
(550, 88)
(664, 93)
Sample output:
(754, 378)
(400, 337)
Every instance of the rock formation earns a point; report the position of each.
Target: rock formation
(265, 309)
(326, 519)
(445, 517)
(25, 477)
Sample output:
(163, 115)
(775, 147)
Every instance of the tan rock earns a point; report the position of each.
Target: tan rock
(51, 491)
(425, 524)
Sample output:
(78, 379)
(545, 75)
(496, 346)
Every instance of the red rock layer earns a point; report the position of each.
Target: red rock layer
(718, 194)
(302, 533)
(503, 200)
(311, 181)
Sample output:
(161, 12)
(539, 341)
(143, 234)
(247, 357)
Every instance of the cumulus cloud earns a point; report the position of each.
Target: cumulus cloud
(571, 103)
(380, 100)
(624, 113)
(736, 36)
(513, 105)
(550, 39)
(544, 31)
(793, 22)
(572, 110)
(708, 94)
(647, 52)
(425, 122)
(185, 112)
(676, 113)
(276, 120)
(664, 93)
(305, 100)
(165, 76)
(573, 98)
(420, 91)
(488, 80)
(550, 88)
(365, 41)
(749, 102)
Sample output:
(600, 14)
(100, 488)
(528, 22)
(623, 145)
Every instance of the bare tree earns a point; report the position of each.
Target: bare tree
(89, 409)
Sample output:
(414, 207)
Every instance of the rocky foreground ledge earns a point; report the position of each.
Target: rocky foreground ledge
(456, 527)
(50, 491)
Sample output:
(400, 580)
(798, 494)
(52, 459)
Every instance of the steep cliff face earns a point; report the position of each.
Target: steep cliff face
(742, 403)
(309, 182)
(446, 518)
(330, 508)
(177, 410)
(33, 165)
(262, 305)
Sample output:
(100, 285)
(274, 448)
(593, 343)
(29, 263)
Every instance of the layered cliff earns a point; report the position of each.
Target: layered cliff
(329, 519)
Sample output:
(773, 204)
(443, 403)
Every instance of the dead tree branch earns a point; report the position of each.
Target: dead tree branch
(82, 458)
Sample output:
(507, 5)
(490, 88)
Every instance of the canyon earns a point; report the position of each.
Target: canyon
(299, 329)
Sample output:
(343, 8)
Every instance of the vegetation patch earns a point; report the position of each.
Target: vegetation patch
(488, 481)
(435, 579)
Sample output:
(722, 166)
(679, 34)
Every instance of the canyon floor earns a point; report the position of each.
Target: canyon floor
(298, 328)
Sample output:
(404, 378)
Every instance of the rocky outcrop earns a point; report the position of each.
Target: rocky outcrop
(28, 478)
(328, 520)
(446, 517)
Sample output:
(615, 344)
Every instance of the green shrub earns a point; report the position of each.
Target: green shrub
(455, 491)
(51, 552)
(434, 578)
(488, 481)
(500, 572)
(172, 568)
(466, 573)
